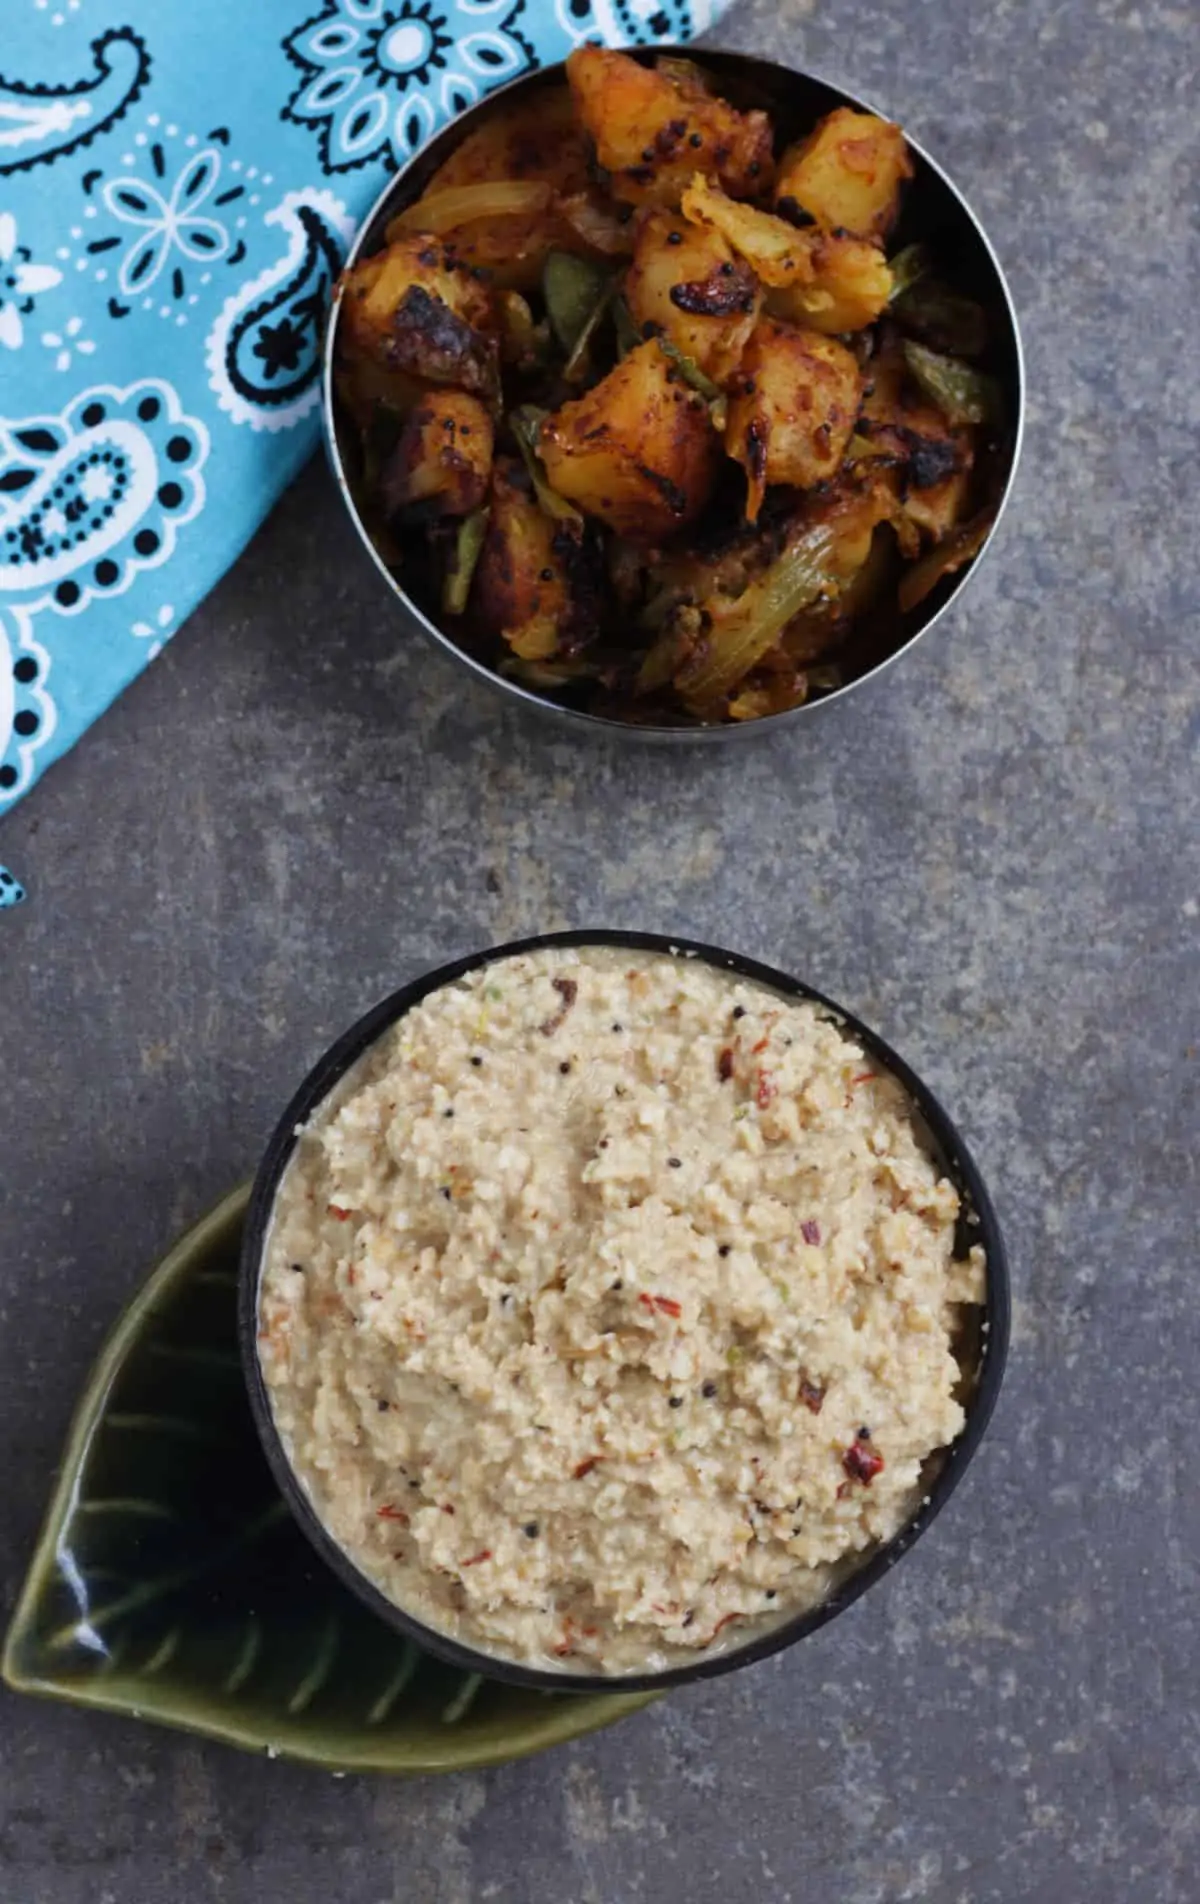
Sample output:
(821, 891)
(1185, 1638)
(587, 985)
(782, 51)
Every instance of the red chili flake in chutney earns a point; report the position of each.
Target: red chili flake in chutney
(766, 1091)
(862, 1463)
(335, 1210)
(476, 1558)
(667, 1304)
(864, 1077)
(812, 1395)
(389, 1513)
(725, 1064)
(585, 1467)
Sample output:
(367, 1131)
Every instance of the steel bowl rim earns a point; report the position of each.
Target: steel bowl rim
(953, 1153)
(529, 697)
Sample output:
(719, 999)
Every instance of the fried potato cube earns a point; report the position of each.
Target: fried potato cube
(847, 174)
(848, 287)
(638, 450)
(653, 127)
(495, 200)
(931, 459)
(690, 284)
(538, 138)
(776, 252)
(521, 589)
(792, 409)
(414, 308)
(818, 279)
(442, 462)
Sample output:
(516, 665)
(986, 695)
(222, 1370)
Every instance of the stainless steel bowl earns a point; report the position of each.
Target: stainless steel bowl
(933, 209)
(981, 1354)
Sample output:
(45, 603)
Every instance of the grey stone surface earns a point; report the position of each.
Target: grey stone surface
(992, 855)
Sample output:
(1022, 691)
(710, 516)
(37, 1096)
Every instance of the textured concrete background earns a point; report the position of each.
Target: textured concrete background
(992, 854)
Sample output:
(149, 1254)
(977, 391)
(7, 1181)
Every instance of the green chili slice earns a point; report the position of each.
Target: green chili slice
(906, 267)
(526, 421)
(573, 287)
(467, 546)
(962, 393)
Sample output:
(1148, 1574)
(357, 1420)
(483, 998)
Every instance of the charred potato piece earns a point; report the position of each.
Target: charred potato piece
(939, 508)
(688, 283)
(932, 459)
(819, 279)
(521, 590)
(414, 308)
(637, 450)
(792, 410)
(776, 252)
(538, 151)
(848, 288)
(539, 139)
(653, 127)
(442, 463)
(846, 175)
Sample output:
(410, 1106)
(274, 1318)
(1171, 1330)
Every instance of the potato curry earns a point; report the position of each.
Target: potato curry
(650, 420)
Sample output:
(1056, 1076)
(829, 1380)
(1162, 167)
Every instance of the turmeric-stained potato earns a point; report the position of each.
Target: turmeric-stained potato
(521, 590)
(538, 138)
(414, 308)
(653, 127)
(847, 174)
(847, 287)
(637, 450)
(792, 409)
(496, 199)
(775, 251)
(903, 428)
(442, 462)
(827, 282)
(690, 284)
(940, 507)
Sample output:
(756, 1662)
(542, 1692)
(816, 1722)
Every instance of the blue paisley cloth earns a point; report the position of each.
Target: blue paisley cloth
(178, 187)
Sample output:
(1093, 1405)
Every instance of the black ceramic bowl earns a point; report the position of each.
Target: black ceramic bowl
(934, 211)
(982, 1357)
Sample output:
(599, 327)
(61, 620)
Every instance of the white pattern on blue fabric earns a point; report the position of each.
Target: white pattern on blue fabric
(27, 713)
(21, 282)
(271, 328)
(165, 224)
(167, 241)
(373, 69)
(93, 496)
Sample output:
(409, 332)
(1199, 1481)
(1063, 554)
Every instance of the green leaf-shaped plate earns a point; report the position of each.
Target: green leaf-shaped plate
(171, 1583)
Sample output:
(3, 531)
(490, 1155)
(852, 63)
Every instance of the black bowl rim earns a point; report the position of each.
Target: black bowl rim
(953, 1154)
(746, 64)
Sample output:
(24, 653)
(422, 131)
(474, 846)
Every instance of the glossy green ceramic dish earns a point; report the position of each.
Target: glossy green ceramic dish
(170, 1582)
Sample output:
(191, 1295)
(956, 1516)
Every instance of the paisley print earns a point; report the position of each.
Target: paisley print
(263, 351)
(27, 713)
(90, 497)
(40, 123)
